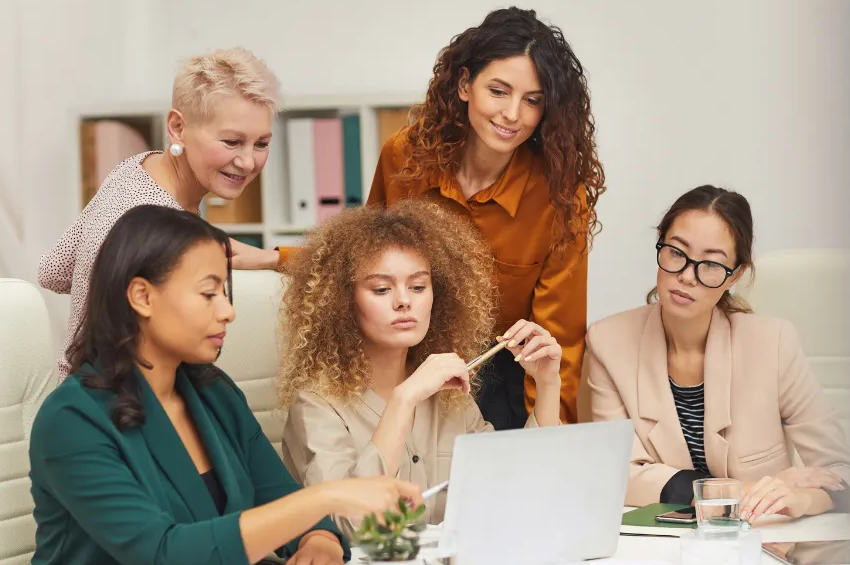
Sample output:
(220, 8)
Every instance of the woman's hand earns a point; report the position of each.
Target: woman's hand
(536, 351)
(439, 372)
(811, 477)
(770, 496)
(318, 549)
(359, 497)
(249, 258)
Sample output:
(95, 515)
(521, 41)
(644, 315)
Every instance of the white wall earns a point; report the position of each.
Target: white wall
(61, 54)
(751, 95)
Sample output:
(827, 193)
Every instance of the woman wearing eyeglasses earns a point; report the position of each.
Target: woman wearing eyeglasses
(714, 390)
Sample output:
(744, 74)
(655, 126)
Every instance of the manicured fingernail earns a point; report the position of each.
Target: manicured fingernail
(745, 515)
(512, 343)
(518, 358)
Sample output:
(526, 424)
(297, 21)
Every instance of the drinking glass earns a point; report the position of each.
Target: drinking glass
(717, 503)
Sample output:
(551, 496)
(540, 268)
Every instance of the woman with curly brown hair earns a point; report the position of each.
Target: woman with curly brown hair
(384, 308)
(505, 137)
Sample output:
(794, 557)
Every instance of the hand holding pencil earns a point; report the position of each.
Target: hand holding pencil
(536, 350)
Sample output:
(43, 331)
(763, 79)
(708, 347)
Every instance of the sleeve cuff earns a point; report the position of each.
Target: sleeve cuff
(680, 488)
(228, 538)
(288, 550)
(284, 254)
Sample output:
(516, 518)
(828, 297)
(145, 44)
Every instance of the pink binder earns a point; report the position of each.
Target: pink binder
(328, 160)
(115, 141)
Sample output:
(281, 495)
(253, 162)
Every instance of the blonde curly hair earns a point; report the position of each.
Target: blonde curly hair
(323, 347)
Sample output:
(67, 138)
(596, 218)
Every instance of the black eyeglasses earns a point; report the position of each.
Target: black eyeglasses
(709, 273)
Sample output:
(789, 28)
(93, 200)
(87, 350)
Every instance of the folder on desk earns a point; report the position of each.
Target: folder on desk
(641, 521)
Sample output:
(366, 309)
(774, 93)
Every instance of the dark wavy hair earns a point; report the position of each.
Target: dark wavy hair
(564, 138)
(735, 212)
(148, 242)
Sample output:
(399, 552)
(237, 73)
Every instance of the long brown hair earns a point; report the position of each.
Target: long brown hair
(734, 210)
(564, 138)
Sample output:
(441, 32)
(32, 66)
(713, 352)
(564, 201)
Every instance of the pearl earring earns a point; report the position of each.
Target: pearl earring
(176, 149)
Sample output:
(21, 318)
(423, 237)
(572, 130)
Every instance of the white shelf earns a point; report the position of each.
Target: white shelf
(246, 229)
(289, 230)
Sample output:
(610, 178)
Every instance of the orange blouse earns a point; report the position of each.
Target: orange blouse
(516, 217)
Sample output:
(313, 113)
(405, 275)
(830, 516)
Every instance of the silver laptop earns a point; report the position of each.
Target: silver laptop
(538, 496)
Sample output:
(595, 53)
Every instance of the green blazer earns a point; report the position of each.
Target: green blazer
(135, 497)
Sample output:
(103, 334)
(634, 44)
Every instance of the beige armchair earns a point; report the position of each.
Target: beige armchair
(27, 375)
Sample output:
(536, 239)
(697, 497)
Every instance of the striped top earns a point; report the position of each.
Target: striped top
(690, 406)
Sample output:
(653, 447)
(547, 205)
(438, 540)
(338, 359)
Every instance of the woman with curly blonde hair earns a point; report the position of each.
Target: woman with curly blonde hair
(383, 311)
(505, 137)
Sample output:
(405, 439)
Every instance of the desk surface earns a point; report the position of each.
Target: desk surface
(656, 550)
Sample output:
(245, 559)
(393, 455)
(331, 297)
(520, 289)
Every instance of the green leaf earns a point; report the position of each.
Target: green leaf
(417, 514)
(384, 530)
(392, 517)
(418, 528)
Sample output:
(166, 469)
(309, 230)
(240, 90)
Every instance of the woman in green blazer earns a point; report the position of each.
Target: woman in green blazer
(147, 453)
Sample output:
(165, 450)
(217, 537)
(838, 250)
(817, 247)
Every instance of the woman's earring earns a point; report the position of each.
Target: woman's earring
(176, 149)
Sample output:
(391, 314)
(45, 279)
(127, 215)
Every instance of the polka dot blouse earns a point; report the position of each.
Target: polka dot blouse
(66, 268)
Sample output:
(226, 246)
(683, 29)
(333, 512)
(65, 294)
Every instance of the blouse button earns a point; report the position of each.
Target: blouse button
(416, 459)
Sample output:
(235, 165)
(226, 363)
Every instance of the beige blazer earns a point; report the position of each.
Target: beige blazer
(759, 395)
(331, 439)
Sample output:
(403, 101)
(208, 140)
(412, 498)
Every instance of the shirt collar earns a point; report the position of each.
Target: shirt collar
(507, 191)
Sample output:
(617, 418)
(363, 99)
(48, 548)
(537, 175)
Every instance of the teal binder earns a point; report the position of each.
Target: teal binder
(352, 165)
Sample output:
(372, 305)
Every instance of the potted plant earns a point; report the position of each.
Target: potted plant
(396, 540)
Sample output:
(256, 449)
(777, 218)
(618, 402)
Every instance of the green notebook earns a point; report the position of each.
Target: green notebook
(645, 517)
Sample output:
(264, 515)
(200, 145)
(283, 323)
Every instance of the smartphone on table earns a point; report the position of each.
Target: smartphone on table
(684, 516)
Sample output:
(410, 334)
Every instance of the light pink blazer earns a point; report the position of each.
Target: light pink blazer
(759, 394)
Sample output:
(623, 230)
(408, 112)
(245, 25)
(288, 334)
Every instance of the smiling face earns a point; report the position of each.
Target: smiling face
(505, 103)
(701, 236)
(393, 297)
(228, 150)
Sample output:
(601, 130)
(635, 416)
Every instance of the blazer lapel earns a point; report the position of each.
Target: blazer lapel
(655, 399)
(220, 454)
(170, 454)
(718, 384)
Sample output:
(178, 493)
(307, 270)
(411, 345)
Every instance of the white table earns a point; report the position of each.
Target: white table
(826, 527)
(655, 549)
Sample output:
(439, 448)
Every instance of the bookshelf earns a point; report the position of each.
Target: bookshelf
(273, 208)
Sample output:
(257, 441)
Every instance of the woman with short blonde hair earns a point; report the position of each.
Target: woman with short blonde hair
(219, 130)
